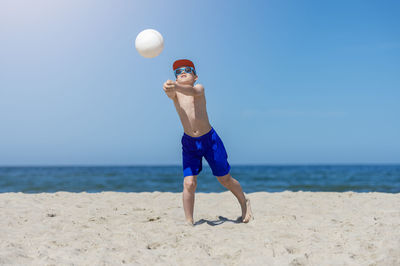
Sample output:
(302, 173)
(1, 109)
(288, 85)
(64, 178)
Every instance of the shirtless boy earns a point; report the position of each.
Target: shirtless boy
(199, 139)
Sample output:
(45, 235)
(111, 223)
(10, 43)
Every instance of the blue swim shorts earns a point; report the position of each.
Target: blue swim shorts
(208, 145)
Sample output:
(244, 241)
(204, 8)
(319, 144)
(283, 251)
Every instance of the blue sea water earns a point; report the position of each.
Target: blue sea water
(335, 178)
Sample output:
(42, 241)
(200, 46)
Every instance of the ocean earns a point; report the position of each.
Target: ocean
(254, 178)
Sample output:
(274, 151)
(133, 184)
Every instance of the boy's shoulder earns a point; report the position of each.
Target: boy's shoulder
(198, 85)
(199, 88)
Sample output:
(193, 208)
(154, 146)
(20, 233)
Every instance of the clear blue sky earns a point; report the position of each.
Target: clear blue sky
(287, 82)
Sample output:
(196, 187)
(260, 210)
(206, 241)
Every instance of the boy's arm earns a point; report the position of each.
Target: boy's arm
(168, 90)
(171, 94)
(195, 90)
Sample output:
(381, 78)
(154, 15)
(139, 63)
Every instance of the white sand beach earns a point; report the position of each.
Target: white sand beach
(113, 228)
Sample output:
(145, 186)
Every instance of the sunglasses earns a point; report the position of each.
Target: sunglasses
(187, 70)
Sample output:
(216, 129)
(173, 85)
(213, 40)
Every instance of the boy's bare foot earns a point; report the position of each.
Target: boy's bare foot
(248, 215)
(190, 222)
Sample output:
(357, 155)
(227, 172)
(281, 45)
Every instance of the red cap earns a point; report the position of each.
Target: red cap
(182, 62)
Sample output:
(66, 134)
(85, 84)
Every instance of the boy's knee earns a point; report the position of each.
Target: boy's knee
(189, 183)
(225, 180)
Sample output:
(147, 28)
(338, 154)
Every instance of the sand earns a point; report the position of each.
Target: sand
(113, 228)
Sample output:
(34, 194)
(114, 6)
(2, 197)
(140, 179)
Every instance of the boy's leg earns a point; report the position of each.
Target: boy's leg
(189, 188)
(217, 158)
(234, 186)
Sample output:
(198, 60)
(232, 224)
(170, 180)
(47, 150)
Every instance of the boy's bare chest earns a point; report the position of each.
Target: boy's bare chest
(190, 102)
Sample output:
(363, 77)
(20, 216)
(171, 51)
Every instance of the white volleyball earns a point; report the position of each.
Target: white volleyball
(149, 43)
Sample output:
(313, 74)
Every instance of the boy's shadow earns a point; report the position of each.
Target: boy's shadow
(220, 220)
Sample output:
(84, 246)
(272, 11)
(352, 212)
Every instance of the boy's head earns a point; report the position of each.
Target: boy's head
(184, 71)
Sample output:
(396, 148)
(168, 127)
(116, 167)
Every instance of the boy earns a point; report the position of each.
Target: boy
(199, 138)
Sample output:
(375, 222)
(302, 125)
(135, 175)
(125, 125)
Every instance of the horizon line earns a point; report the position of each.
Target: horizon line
(179, 165)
